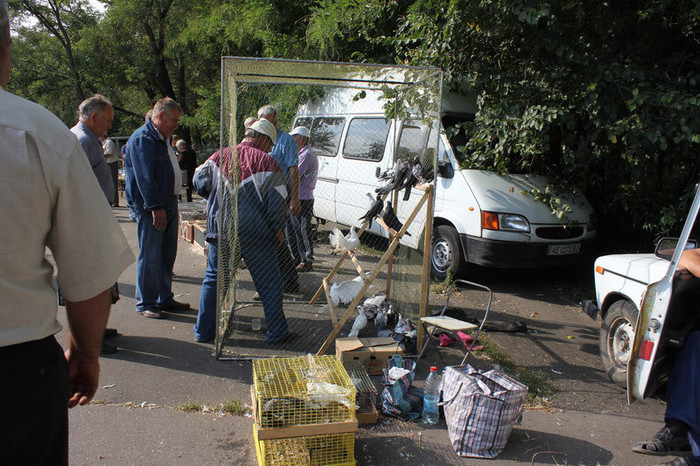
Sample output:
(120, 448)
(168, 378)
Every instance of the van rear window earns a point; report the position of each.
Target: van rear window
(366, 138)
(325, 134)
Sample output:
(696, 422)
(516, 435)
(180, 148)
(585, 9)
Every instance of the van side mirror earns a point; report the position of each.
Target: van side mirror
(445, 169)
(666, 246)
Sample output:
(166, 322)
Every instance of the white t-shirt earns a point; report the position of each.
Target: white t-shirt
(110, 150)
(50, 198)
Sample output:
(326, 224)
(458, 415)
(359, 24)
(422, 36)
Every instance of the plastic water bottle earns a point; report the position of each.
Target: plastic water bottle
(431, 393)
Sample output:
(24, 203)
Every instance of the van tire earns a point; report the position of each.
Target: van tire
(445, 254)
(616, 336)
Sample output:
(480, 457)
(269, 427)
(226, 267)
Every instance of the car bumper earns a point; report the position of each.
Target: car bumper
(519, 255)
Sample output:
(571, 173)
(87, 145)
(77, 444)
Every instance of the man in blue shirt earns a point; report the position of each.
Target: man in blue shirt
(287, 157)
(153, 183)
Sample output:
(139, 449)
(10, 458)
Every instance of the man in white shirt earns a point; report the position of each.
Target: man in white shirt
(153, 184)
(50, 193)
(109, 148)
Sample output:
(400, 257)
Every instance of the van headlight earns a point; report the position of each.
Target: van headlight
(504, 222)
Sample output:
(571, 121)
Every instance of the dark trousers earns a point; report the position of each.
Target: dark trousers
(303, 244)
(114, 169)
(683, 390)
(34, 410)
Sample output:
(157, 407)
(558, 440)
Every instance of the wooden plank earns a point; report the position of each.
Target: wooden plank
(358, 267)
(329, 301)
(308, 430)
(389, 252)
(427, 251)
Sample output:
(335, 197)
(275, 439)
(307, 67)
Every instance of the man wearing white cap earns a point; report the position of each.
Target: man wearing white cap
(261, 219)
(303, 249)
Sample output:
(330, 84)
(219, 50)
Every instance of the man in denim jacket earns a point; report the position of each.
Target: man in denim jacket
(153, 183)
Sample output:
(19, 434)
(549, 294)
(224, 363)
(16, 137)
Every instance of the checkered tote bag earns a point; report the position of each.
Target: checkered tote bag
(480, 409)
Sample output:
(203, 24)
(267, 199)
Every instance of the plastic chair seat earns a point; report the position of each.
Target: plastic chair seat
(448, 323)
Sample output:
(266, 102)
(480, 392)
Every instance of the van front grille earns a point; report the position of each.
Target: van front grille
(561, 232)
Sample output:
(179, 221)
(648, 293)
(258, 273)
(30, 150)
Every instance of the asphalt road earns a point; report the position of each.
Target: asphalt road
(135, 421)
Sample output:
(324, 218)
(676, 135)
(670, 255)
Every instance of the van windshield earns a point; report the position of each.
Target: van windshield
(455, 127)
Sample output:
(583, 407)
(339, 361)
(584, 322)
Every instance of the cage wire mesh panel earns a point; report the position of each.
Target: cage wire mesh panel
(374, 131)
(304, 411)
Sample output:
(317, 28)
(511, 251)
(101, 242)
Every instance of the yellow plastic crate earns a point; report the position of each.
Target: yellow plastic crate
(315, 450)
(302, 391)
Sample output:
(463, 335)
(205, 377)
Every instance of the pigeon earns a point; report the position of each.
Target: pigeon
(374, 209)
(359, 324)
(342, 243)
(409, 181)
(386, 189)
(401, 171)
(345, 292)
(391, 219)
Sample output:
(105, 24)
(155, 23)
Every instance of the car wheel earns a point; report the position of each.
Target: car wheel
(445, 255)
(616, 336)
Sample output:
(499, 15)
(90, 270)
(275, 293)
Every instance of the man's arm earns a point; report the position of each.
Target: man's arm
(86, 321)
(690, 261)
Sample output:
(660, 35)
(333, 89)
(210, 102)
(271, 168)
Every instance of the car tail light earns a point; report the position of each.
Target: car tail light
(645, 350)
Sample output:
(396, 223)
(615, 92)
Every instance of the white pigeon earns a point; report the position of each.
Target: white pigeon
(342, 243)
(359, 324)
(345, 292)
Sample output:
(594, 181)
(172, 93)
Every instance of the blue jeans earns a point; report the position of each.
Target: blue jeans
(205, 328)
(264, 269)
(683, 390)
(157, 253)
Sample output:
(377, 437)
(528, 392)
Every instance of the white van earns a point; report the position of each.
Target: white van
(480, 217)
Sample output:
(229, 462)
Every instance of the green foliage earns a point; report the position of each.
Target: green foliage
(598, 95)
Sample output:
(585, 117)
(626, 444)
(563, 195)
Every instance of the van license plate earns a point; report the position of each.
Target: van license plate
(563, 249)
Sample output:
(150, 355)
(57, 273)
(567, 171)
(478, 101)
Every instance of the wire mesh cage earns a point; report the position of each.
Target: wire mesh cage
(302, 390)
(304, 411)
(364, 177)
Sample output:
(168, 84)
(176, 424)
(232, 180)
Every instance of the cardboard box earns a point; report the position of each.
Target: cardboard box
(373, 353)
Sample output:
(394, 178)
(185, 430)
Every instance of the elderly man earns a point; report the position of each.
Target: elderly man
(95, 116)
(49, 192)
(153, 183)
(261, 197)
(286, 155)
(303, 243)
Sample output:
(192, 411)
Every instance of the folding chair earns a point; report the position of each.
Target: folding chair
(442, 322)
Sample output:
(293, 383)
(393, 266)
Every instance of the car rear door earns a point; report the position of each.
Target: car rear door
(652, 348)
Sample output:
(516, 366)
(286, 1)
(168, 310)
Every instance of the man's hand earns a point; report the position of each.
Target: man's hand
(84, 374)
(280, 237)
(295, 206)
(86, 325)
(159, 219)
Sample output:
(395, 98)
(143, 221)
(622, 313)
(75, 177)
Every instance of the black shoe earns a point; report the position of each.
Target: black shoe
(664, 443)
(152, 313)
(110, 332)
(173, 306)
(108, 349)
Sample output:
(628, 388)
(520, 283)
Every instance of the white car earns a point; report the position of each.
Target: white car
(638, 335)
